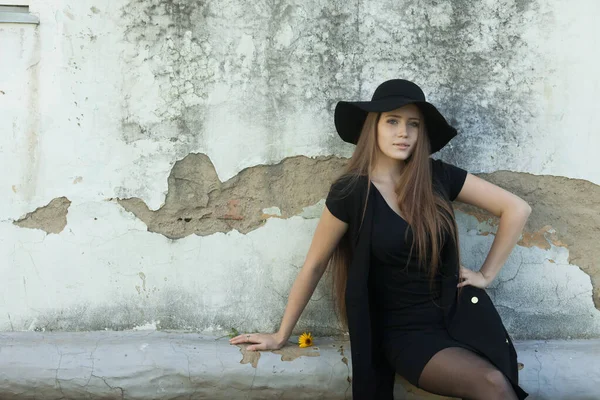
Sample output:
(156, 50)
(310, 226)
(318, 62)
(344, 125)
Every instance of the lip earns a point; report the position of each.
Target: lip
(401, 145)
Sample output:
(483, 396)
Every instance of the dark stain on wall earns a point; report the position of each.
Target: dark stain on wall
(272, 61)
(173, 37)
(472, 60)
(279, 64)
(494, 80)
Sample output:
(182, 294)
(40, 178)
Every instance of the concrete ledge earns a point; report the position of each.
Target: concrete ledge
(164, 365)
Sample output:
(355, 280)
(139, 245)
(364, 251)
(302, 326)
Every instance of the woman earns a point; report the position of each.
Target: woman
(389, 233)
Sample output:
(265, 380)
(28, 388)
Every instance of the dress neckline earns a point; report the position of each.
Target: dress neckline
(386, 203)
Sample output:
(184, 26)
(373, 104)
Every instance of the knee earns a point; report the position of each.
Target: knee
(498, 385)
(494, 378)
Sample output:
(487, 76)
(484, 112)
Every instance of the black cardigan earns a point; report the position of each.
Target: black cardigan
(476, 323)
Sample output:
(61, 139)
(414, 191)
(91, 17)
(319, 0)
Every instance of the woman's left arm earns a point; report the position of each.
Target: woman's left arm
(513, 212)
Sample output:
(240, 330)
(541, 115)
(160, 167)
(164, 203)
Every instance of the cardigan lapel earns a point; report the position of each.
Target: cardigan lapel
(372, 378)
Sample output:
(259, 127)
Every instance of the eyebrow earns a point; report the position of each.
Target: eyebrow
(399, 116)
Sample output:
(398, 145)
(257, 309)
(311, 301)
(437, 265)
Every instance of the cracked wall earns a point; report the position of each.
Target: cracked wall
(199, 203)
(550, 285)
(195, 143)
(230, 267)
(566, 213)
(231, 280)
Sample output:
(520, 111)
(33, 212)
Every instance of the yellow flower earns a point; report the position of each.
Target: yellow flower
(305, 340)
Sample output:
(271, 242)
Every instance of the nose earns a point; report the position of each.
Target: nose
(402, 132)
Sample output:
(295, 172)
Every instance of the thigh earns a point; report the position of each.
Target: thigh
(408, 353)
(459, 372)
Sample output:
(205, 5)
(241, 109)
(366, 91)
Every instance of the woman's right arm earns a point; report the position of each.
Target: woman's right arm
(327, 235)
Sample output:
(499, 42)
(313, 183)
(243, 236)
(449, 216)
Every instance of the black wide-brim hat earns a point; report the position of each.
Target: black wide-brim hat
(390, 95)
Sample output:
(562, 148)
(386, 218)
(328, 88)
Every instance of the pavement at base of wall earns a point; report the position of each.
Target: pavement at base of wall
(179, 365)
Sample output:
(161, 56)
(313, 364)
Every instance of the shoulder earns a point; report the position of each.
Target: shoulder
(345, 195)
(349, 185)
(438, 167)
(349, 188)
(448, 177)
(443, 169)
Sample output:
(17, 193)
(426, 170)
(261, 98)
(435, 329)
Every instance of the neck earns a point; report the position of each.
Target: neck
(387, 170)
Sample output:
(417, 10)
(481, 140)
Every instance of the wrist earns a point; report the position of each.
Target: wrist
(486, 277)
(281, 338)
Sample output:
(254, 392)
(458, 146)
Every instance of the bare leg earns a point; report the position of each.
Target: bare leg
(461, 373)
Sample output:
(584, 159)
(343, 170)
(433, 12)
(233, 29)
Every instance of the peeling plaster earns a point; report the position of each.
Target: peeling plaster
(566, 213)
(51, 218)
(199, 203)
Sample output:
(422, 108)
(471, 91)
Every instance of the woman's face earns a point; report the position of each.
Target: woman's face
(398, 131)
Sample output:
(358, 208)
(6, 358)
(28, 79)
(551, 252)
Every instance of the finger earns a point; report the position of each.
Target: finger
(464, 283)
(237, 338)
(255, 347)
(244, 339)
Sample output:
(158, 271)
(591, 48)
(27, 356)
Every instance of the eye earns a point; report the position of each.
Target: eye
(392, 121)
(415, 124)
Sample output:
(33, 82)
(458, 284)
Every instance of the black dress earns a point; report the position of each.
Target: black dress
(407, 316)
(407, 312)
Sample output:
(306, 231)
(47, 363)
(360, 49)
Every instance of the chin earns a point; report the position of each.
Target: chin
(400, 156)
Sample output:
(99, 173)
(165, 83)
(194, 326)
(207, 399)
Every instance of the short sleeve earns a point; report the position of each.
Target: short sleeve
(338, 200)
(451, 177)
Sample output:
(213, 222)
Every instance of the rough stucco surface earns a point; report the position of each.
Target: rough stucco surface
(114, 106)
(206, 283)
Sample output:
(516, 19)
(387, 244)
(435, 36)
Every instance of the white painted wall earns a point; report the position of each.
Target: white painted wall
(96, 102)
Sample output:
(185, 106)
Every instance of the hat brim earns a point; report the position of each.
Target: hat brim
(350, 117)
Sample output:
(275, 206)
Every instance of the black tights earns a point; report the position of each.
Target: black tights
(459, 372)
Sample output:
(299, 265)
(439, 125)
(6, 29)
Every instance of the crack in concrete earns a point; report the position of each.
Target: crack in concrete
(93, 359)
(112, 387)
(348, 378)
(503, 281)
(539, 370)
(187, 358)
(56, 379)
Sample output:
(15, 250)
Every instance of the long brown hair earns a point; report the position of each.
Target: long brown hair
(427, 212)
